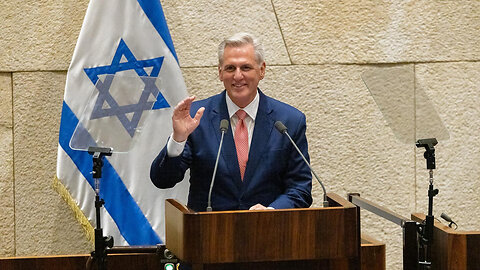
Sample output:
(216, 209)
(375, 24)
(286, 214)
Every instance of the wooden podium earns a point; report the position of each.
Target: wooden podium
(306, 238)
(451, 249)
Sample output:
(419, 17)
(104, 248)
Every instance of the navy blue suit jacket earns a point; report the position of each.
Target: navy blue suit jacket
(275, 175)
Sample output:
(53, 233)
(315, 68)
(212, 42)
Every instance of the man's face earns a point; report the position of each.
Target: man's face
(240, 74)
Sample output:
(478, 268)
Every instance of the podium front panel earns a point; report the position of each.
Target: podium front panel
(330, 233)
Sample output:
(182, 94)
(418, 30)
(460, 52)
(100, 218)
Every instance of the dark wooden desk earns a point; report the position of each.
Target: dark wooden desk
(373, 258)
(451, 249)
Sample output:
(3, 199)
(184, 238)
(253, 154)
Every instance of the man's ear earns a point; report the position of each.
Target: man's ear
(220, 75)
(262, 70)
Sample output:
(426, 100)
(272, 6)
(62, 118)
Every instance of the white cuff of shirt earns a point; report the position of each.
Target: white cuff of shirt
(174, 148)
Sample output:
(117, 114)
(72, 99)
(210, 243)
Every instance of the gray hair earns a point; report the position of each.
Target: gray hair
(239, 40)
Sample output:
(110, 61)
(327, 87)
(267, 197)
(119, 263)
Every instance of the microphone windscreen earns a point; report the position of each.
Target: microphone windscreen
(224, 125)
(447, 218)
(280, 127)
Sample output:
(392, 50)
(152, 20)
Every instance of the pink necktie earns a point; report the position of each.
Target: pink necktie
(241, 141)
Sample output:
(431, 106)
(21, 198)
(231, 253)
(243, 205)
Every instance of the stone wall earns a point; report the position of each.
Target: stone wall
(315, 51)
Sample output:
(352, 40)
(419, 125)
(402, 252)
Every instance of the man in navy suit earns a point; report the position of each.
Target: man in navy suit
(268, 173)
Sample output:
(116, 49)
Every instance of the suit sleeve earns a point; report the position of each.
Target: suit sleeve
(298, 178)
(166, 172)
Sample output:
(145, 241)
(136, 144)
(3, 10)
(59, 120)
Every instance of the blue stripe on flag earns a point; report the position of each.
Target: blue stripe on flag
(153, 10)
(119, 203)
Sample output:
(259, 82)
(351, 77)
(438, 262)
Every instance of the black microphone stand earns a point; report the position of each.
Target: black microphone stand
(426, 228)
(101, 242)
(283, 129)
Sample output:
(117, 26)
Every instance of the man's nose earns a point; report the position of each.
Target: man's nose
(238, 75)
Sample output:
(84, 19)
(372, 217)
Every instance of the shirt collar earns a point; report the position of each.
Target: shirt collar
(251, 109)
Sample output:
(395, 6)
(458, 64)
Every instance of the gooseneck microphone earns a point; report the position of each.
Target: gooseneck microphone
(223, 128)
(283, 129)
(448, 219)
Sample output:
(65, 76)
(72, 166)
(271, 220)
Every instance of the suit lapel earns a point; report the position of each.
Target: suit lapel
(229, 152)
(261, 133)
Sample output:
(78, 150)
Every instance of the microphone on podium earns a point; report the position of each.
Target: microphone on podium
(223, 128)
(283, 129)
(448, 219)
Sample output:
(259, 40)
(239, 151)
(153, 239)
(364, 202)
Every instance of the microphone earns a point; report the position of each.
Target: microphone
(448, 219)
(283, 129)
(223, 128)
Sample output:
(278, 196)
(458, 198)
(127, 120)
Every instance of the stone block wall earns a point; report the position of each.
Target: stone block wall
(316, 52)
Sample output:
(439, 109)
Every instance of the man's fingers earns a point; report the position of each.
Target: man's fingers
(188, 101)
(199, 114)
(185, 104)
(258, 207)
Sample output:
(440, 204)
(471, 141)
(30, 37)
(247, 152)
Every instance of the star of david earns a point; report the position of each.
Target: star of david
(105, 97)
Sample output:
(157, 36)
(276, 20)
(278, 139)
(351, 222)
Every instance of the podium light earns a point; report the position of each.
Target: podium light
(169, 266)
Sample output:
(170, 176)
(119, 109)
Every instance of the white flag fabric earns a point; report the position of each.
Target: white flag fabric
(122, 38)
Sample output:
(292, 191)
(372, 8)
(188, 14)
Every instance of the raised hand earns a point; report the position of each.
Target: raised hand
(183, 123)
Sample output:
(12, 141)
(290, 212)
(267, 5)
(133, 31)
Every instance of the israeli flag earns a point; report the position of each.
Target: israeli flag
(120, 41)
